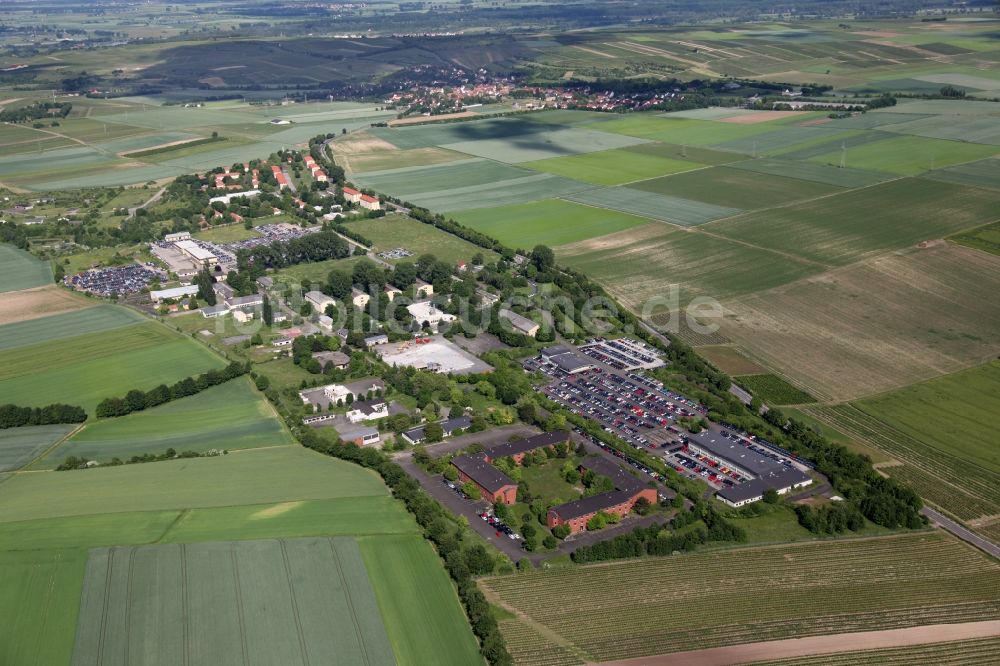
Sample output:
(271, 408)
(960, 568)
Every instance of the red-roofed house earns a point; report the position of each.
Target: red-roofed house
(352, 194)
(371, 203)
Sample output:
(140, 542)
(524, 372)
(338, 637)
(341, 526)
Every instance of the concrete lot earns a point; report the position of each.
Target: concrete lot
(440, 355)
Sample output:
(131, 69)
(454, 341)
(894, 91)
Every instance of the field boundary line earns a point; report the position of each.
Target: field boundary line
(238, 588)
(104, 609)
(128, 603)
(347, 598)
(181, 515)
(52, 447)
(818, 645)
(295, 604)
(185, 615)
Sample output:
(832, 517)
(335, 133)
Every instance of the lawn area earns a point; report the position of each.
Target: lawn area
(546, 480)
(85, 369)
(641, 263)
(550, 222)
(19, 446)
(773, 390)
(256, 476)
(843, 228)
(228, 416)
(315, 272)
(232, 232)
(611, 167)
(780, 525)
(394, 231)
(39, 603)
(865, 585)
(99, 318)
(20, 270)
(955, 414)
(421, 611)
(735, 188)
(909, 155)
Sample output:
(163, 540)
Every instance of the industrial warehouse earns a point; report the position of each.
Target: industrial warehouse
(765, 471)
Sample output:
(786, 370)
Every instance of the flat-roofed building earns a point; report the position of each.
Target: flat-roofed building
(198, 254)
(161, 295)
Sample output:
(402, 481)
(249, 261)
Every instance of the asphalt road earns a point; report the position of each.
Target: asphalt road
(950, 525)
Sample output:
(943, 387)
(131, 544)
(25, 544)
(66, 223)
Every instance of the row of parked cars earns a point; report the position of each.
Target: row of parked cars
(499, 525)
(710, 469)
(627, 458)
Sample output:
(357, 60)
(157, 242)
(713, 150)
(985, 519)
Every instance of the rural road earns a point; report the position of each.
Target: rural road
(818, 645)
(152, 200)
(962, 533)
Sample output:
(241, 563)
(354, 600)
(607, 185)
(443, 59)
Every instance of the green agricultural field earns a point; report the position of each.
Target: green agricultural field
(642, 263)
(19, 446)
(816, 173)
(209, 603)
(467, 184)
(735, 188)
(773, 390)
(397, 159)
(39, 602)
(955, 414)
(85, 369)
(394, 231)
(984, 173)
(247, 477)
(225, 417)
(843, 228)
(908, 155)
(730, 360)
(865, 585)
(986, 238)
(685, 153)
(422, 614)
(611, 167)
(676, 210)
(684, 131)
(20, 270)
(551, 222)
(100, 318)
(784, 140)
(940, 479)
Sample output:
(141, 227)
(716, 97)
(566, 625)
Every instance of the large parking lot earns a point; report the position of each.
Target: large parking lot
(623, 354)
(634, 407)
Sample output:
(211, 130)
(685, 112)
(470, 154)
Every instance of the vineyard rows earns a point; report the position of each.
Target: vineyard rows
(963, 489)
(530, 648)
(732, 597)
(954, 653)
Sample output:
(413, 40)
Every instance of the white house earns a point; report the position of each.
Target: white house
(368, 410)
(359, 298)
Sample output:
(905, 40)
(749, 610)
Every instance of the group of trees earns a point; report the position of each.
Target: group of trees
(72, 462)
(36, 111)
(304, 249)
(136, 400)
(834, 518)
(463, 558)
(12, 416)
(656, 540)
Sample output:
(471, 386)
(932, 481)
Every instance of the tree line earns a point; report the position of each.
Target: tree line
(136, 400)
(36, 111)
(304, 249)
(462, 560)
(655, 540)
(12, 416)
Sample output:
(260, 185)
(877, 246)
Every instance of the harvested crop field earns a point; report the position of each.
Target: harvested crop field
(769, 593)
(28, 304)
(876, 325)
(843, 228)
(221, 603)
(642, 263)
(759, 117)
(945, 653)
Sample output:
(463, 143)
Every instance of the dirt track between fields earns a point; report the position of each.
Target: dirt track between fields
(816, 645)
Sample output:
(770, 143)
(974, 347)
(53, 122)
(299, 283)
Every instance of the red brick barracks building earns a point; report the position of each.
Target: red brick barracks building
(628, 490)
(492, 483)
(498, 487)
